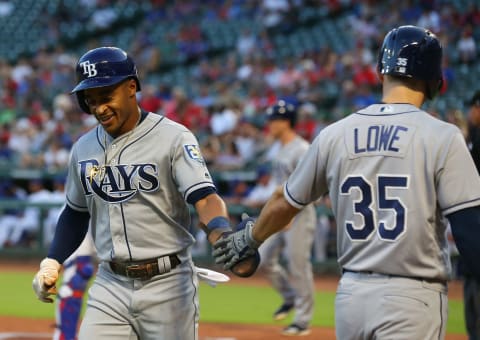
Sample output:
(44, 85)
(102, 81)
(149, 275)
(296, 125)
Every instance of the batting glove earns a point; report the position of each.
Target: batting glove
(238, 250)
(45, 280)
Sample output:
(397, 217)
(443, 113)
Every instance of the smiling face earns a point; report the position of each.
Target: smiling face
(115, 107)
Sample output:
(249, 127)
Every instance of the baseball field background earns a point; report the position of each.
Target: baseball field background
(245, 302)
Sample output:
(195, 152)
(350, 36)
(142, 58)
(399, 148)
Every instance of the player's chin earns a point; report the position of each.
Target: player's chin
(111, 125)
(107, 120)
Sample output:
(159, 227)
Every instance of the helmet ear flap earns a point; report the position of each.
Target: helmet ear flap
(81, 102)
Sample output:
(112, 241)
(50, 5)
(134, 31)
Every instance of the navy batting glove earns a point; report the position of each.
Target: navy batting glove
(234, 247)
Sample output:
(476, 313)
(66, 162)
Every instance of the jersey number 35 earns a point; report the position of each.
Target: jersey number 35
(364, 204)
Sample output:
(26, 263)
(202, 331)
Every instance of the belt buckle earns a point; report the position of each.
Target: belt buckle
(132, 271)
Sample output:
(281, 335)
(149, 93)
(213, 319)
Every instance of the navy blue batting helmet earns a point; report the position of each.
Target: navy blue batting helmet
(103, 66)
(413, 52)
(282, 110)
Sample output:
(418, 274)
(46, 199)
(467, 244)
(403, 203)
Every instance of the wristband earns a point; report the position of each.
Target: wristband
(219, 222)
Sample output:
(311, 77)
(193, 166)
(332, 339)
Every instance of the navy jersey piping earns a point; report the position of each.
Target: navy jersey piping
(98, 139)
(144, 114)
(441, 317)
(293, 199)
(140, 137)
(192, 274)
(383, 114)
(461, 203)
(125, 232)
(73, 205)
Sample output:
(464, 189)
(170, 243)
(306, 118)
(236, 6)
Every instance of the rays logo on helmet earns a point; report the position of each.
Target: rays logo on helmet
(88, 68)
(193, 152)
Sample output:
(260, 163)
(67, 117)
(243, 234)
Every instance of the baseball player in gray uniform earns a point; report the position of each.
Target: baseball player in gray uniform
(394, 174)
(132, 177)
(294, 281)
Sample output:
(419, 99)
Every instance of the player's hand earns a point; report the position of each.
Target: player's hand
(45, 280)
(237, 251)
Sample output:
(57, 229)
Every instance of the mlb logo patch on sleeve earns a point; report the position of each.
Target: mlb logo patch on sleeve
(193, 152)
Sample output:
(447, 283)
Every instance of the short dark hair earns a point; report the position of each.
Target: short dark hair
(475, 99)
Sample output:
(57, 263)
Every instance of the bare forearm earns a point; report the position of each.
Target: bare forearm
(275, 216)
(208, 208)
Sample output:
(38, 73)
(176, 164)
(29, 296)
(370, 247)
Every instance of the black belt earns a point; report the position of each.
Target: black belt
(399, 276)
(145, 269)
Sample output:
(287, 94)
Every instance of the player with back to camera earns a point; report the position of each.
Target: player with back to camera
(394, 175)
(132, 177)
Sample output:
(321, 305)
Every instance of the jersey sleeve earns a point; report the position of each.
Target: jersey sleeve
(188, 166)
(307, 182)
(73, 187)
(458, 183)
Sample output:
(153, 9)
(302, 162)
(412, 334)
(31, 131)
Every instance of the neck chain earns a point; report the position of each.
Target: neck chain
(101, 170)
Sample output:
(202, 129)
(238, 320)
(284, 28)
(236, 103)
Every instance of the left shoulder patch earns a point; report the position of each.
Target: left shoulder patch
(193, 152)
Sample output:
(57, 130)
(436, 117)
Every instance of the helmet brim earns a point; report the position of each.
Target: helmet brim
(92, 83)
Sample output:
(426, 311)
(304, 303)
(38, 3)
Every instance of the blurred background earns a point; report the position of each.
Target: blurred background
(214, 66)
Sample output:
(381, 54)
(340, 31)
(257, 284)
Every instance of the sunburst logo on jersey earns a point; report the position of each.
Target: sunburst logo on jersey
(193, 152)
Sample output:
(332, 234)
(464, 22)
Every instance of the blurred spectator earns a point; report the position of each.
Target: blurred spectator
(55, 156)
(236, 192)
(23, 230)
(430, 19)
(149, 101)
(246, 42)
(307, 121)
(7, 155)
(471, 16)
(190, 41)
(6, 8)
(262, 190)
(57, 196)
(273, 12)
(248, 139)
(103, 16)
(10, 217)
(62, 74)
(21, 136)
(228, 157)
(466, 46)
(146, 54)
(181, 109)
(204, 97)
(226, 118)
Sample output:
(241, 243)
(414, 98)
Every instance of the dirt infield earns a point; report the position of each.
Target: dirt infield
(207, 331)
(41, 328)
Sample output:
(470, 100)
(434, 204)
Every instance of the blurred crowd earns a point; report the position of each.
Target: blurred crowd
(228, 91)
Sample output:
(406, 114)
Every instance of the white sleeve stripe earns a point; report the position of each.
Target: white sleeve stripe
(197, 186)
(76, 206)
(292, 200)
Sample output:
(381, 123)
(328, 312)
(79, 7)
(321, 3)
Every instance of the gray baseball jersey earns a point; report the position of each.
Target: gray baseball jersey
(296, 285)
(393, 172)
(135, 188)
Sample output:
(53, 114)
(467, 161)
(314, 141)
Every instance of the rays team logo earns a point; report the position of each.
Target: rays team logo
(89, 69)
(193, 152)
(117, 183)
